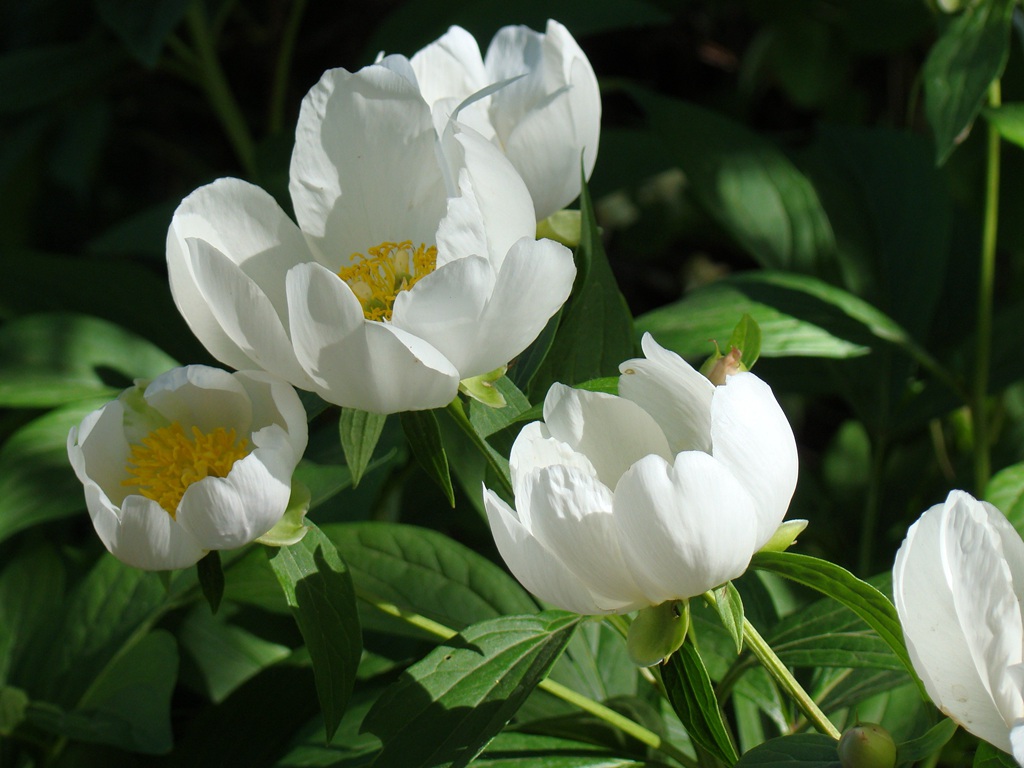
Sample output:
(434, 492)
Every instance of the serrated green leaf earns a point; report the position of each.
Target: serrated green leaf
(360, 431)
(595, 332)
(729, 605)
(424, 437)
(927, 744)
(970, 54)
(319, 591)
(803, 750)
(445, 708)
(746, 184)
(211, 579)
(52, 359)
(425, 572)
(693, 698)
(839, 584)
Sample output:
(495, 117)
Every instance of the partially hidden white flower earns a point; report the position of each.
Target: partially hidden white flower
(413, 266)
(958, 583)
(546, 120)
(195, 460)
(659, 494)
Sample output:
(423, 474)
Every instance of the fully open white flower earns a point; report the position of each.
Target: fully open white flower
(658, 494)
(198, 459)
(413, 265)
(958, 583)
(544, 121)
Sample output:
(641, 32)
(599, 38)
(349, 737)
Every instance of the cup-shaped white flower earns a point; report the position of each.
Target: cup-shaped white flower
(195, 460)
(413, 265)
(958, 583)
(545, 120)
(658, 494)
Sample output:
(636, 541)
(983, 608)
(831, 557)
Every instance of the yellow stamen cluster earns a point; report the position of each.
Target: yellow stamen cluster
(389, 268)
(168, 461)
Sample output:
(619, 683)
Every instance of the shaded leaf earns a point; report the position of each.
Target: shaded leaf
(142, 27)
(729, 605)
(988, 756)
(1009, 121)
(424, 437)
(1006, 491)
(804, 750)
(360, 431)
(927, 744)
(693, 698)
(211, 579)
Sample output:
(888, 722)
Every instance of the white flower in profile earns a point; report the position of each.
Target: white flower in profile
(545, 120)
(414, 264)
(197, 459)
(658, 494)
(958, 583)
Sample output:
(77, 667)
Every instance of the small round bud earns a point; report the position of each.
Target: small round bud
(867, 745)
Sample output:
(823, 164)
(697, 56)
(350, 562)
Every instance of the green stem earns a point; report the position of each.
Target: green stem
(491, 456)
(986, 284)
(610, 716)
(217, 90)
(784, 677)
(279, 89)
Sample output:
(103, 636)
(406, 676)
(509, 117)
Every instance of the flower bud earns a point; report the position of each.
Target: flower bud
(657, 632)
(867, 745)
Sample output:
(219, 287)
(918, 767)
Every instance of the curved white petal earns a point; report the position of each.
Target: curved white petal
(149, 538)
(570, 514)
(359, 364)
(99, 452)
(535, 448)
(610, 431)
(535, 567)
(275, 403)
(248, 226)
(676, 395)
(246, 313)
(364, 169)
(924, 594)
(201, 396)
(450, 67)
(685, 527)
(752, 437)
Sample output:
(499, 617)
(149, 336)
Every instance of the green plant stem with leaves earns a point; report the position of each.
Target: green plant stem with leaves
(986, 286)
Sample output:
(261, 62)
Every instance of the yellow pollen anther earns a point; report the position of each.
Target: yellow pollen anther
(389, 269)
(168, 461)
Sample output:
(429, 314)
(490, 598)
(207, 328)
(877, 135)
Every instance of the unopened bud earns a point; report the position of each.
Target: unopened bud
(657, 632)
(867, 745)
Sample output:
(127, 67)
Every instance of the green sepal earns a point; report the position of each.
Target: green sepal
(784, 536)
(563, 227)
(481, 388)
(657, 632)
(292, 526)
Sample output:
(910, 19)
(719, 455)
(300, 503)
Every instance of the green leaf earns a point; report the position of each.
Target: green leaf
(529, 750)
(693, 698)
(841, 585)
(1008, 119)
(211, 579)
(970, 54)
(595, 333)
(1006, 491)
(746, 337)
(444, 709)
(425, 572)
(13, 704)
(729, 605)
(319, 590)
(142, 27)
(486, 421)
(52, 359)
(988, 756)
(804, 750)
(926, 745)
(28, 617)
(746, 184)
(360, 431)
(424, 437)
(130, 705)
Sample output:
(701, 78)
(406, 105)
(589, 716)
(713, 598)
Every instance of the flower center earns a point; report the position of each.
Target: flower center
(389, 268)
(168, 461)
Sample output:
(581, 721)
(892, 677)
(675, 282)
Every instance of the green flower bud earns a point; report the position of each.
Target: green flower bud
(867, 745)
(657, 632)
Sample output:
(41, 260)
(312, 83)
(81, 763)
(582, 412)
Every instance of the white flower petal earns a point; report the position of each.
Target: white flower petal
(676, 395)
(245, 313)
(535, 448)
(201, 396)
(359, 364)
(99, 452)
(570, 514)
(246, 224)
(752, 437)
(149, 538)
(275, 404)
(450, 67)
(535, 567)
(364, 169)
(923, 592)
(610, 431)
(461, 231)
(685, 527)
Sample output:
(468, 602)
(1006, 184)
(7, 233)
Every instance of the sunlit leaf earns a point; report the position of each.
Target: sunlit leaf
(360, 431)
(693, 698)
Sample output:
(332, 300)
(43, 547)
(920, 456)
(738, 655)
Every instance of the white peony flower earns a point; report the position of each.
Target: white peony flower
(659, 494)
(545, 120)
(413, 265)
(197, 459)
(958, 583)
